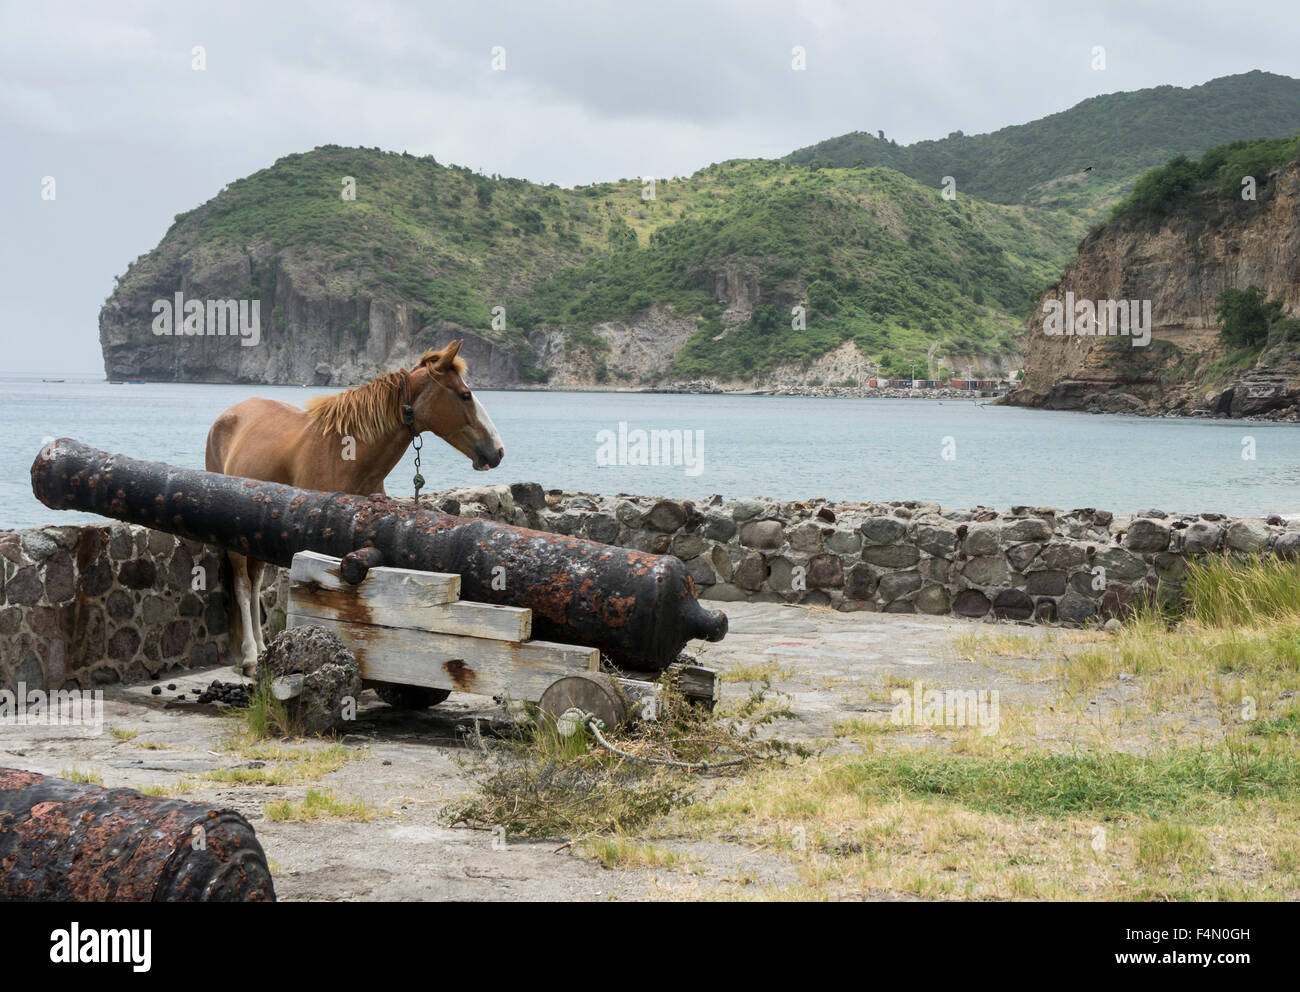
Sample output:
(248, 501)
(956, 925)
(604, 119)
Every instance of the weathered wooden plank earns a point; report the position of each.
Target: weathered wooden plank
(462, 664)
(383, 586)
(355, 604)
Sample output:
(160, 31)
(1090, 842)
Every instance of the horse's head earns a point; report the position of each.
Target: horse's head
(444, 405)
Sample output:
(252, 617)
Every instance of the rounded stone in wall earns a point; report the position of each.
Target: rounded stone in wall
(891, 555)
(123, 645)
(701, 571)
(603, 528)
(688, 546)
(105, 675)
(898, 584)
(215, 615)
(11, 618)
(1061, 555)
(883, 530)
(1288, 545)
(751, 573)
(1021, 556)
(1249, 536)
(666, 516)
(1012, 604)
(180, 569)
(932, 599)
(97, 579)
(60, 578)
(765, 534)
(861, 583)
(1074, 608)
(971, 603)
(29, 671)
(1029, 529)
(986, 571)
(900, 606)
(825, 572)
(844, 542)
(981, 540)
(937, 541)
(24, 589)
(718, 527)
(747, 509)
(806, 536)
(1120, 564)
(1045, 583)
(137, 573)
(175, 639)
(1145, 535)
(721, 563)
(780, 574)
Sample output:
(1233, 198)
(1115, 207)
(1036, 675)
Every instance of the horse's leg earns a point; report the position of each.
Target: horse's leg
(243, 597)
(255, 572)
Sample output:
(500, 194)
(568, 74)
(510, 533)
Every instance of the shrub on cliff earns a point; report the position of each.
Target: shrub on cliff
(1246, 316)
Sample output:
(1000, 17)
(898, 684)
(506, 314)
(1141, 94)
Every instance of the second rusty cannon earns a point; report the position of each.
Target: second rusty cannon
(63, 841)
(638, 609)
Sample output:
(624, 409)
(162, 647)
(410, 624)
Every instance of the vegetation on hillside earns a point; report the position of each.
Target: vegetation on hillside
(1116, 136)
(1222, 171)
(1248, 319)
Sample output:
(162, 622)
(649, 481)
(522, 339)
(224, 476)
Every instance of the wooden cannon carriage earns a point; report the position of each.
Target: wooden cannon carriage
(410, 631)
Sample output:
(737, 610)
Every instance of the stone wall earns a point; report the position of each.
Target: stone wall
(1029, 563)
(87, 606)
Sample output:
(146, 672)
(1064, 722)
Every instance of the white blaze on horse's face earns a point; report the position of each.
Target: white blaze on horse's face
(456, 416)
(493, 445)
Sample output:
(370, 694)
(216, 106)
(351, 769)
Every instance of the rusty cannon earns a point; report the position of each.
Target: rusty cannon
(638, 609)
(62, 841)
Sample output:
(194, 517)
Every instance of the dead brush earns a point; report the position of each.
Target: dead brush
(537, 783)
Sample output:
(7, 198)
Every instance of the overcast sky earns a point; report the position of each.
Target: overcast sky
(105, 99)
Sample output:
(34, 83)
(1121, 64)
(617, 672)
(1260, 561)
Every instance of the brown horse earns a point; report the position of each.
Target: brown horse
(347, 442)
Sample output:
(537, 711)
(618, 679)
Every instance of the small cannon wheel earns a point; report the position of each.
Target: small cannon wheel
(591, 692)
(410, 697)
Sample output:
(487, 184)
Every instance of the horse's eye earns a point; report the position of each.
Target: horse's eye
(467, 396)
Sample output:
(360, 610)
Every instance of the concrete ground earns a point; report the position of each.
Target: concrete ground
(832, 666)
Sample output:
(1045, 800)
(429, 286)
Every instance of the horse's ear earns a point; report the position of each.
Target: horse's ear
(448, 356)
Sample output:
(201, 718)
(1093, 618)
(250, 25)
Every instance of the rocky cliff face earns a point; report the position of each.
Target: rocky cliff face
(322, 328)
(314, 328)
(1180, 264)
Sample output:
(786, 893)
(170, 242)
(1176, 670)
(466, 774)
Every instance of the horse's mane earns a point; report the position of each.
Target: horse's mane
(373, 409)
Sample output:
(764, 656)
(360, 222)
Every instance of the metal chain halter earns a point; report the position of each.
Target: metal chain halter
(417, 442)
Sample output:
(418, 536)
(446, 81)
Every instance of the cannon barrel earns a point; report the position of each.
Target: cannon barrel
(639, 609)
(62, 841)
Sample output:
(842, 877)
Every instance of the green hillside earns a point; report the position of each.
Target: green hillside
(872, 254)
(1120, 135)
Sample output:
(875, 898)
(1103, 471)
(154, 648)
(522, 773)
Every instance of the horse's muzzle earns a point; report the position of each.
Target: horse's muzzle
(488, 458)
